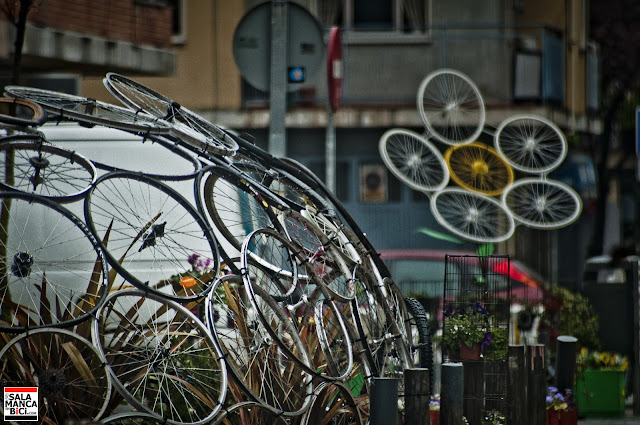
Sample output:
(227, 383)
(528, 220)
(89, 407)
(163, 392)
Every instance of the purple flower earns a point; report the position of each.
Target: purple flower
(193, 259)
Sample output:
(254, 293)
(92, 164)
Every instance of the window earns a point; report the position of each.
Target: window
(372, 15)
(179, 23)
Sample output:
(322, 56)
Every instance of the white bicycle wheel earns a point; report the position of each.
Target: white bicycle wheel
(542, 204)
(413, 160)
(530, 143)
(451, 107)
(472, 216)
(162, 357)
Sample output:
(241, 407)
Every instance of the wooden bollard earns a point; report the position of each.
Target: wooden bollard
(384, 401)
(416, 396)
(451, 393)
(537, 384)
(517, 413)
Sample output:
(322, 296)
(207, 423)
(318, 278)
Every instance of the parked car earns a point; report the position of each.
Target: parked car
(421, 273)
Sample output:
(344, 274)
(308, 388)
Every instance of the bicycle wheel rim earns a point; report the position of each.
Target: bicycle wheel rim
(156, 239)
(199, 134)
(478, 168)
(413, 160)
(66, 368)
(472, 216)
(542, 204)
(45, 170)
(333, 403)
(234, 208)
(451, 107)
(91, 111)
(57, 273)
(530, 143)
(162, 357)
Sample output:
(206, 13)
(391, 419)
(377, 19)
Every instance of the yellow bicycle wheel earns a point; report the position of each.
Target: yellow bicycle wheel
(478, 168)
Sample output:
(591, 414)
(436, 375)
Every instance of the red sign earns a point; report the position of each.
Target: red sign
(335, 68)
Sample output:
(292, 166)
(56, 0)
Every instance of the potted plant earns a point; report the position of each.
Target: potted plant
(434, 409)
(466, 332)
(561, 407)
(600, 383)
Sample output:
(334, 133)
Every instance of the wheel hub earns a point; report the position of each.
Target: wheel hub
(480, 168)
(51, 382)
(22, 263)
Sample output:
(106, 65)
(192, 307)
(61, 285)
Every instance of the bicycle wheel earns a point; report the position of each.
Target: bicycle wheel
(91, 111)
(451, 107)
(72, 380)
(478, 168)
(20, 112)
(52, 270)
(260, 366)
(334, 403)
(542, 204)
(413, 160)
(530, 143)
(320, 256)
(132, 418)
(269, 262)
(235, 207)
(472, 216)
(187, 125)
(420, 337)
(34, 166)
(162, 357)
(153, 237)
(250, 413)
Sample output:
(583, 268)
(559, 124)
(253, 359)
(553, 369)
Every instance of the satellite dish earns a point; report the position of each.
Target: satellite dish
(252, 46)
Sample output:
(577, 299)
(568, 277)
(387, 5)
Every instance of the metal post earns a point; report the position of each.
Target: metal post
(278, 78)
(384, 401)
(536, 384)
(565, 361)
(330, 153)
(517, 414)
(416, 396)
(452, 395)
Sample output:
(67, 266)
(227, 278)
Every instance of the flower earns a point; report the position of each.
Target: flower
(469, 326)
(560, 401)
(493, 417)
(589, 359)
(434, 403)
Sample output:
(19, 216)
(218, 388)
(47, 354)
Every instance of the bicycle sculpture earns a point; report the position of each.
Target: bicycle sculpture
(485, 201)
(125, 301)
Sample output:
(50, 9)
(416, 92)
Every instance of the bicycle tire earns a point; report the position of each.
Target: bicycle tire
(188, 126)
(530, 143)
(43, 169)
(57, 275)
(419, 331)
(478, 168)
(472, 216)
(73, 382)
(155, 235)
(20, 112)
(413, 160)
(161, 356)
(91, 111)
(255, 360)
(131, 418)
(542, 203)
(451, 107)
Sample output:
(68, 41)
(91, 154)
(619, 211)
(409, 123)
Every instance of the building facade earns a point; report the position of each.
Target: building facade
(525, 56)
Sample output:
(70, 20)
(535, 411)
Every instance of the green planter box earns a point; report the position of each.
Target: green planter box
(600, 393)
